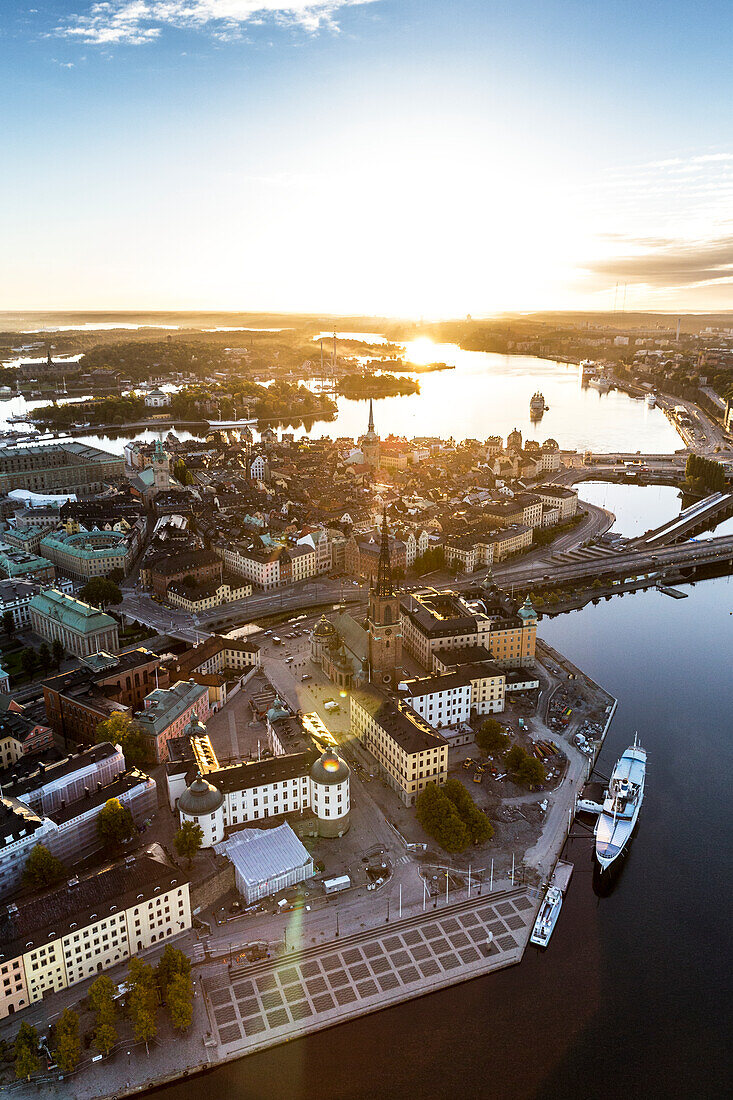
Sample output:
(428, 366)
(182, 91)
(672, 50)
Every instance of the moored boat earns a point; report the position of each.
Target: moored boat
(547, 917)
(621, 805)
(537, 404)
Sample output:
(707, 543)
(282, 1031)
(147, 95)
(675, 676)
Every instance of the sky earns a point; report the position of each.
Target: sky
(412, 158)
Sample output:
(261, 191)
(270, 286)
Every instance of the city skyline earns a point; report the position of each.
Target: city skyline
(396, 158)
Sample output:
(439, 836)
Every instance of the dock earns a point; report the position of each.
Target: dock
(673, 592)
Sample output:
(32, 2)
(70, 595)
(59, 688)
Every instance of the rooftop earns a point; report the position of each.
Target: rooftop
(411, 732)
(35, 921)
(262, 854)
(74, 614)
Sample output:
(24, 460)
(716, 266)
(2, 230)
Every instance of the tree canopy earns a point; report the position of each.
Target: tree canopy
(451, 817)
(491, 738)
(42, 868)
(121, 729)
(67, 1049)
(100, 592)
(27, 1061)
(114, 823)
(188, 840)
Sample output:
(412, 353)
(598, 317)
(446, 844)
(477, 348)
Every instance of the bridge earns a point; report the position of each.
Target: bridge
(619, 562)
(698, 517)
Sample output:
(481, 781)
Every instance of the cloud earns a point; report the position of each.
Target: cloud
(667, 263)
(135, 22)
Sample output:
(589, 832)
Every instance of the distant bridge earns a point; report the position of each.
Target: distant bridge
(691, 521)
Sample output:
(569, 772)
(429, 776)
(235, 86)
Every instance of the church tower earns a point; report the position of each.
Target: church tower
(161, 469)
(384, 626)
(369, 443)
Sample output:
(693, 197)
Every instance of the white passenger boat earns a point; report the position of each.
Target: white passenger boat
(547, 917)
(651, 400)
(621, 805)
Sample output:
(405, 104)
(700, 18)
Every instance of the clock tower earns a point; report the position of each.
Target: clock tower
(384, 626)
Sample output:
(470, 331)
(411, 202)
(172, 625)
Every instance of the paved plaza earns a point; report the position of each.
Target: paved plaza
(267, 1003)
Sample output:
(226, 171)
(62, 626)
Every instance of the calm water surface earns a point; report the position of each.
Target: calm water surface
(485, 395)
(640, 508)
(631, 996)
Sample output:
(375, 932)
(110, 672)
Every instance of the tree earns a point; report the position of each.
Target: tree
(8, 623)
(172, 963)
(27, 1061)
(120, 729)
(28, 661)
(180, 1001)
(142, 1000)
(57, 651)
(188, 840)
(525, 769)
(491, 738)
(440, 818)
(42, 868)
(44, 656)
(475, 821)
(101, 1001)
(514, 758)
(101, 591)
(114, 823)
(68, 1048)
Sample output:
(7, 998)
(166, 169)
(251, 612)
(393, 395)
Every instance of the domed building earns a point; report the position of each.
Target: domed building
(292, 784)
(203, 804)
(330, 795)
(324, 638)
(527, 613)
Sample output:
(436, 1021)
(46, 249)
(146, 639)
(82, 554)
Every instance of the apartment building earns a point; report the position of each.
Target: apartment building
(69, 467)
(433, 622)
(168, 710)
(409, 752)
(57, 939)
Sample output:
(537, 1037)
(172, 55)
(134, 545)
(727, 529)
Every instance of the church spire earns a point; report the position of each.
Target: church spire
(371, 416)
(384, 570)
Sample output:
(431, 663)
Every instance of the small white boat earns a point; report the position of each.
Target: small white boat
(587, 806)
(547, 917)
(651, 400)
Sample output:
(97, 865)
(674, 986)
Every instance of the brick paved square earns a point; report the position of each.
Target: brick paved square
(337, 978)
(400, 958)
(373, 949)
(506, 943)
(468, 954)
(278, 1017)
(432, 931)
(379, 966)
(460, 939)
(310, 969)
(361, 970)
(393, 943)
(504, 908)
(230, 1034)
(220, 996)
(248, 1007)
(448, 962)
(487, 913)
(323, 1002)
(367, 989)
(225, 1015)
(450, 925)
(294, 992)
(515, 922)
(522, 903)
(301, 1011)
(289, 974)
(345, 996)
(429, 968)
(421, 952)
(265, 982)
(496, 926)
(333, 962)
(412, 937)
(487, 949)
(389, 981)
(254, 1025)
(409, 974)
(316, 985)
(352, 955)
(439, 945)
(469, 919)
(478, 934)
(243, 989)
(271, 999)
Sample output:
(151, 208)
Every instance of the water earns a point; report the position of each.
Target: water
(641, 508)
(494, 393)
(488, 394)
